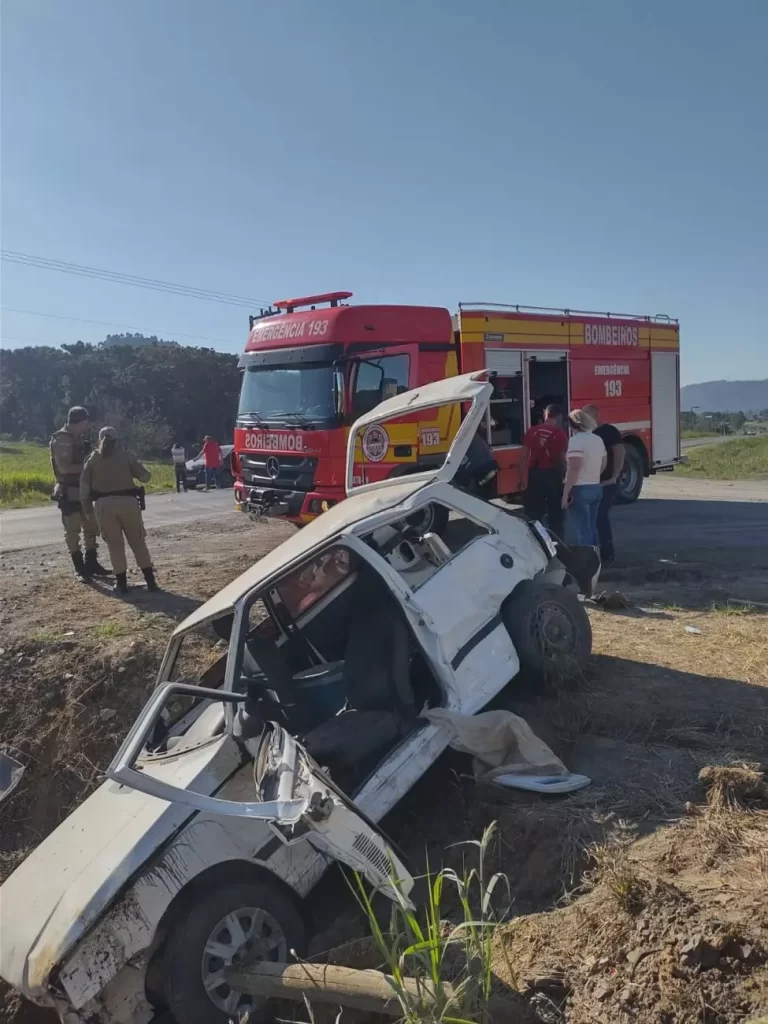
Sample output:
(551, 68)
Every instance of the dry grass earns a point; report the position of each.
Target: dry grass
(737, 787)
(735, 645)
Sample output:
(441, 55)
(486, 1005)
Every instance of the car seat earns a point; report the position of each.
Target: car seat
(380, 700)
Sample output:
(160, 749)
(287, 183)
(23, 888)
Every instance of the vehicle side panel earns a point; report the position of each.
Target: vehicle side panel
(129, 927)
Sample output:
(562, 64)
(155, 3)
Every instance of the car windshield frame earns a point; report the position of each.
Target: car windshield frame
(307, 399)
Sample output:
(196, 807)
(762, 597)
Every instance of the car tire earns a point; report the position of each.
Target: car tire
(630, 481)
(186, 963)
(550, 629)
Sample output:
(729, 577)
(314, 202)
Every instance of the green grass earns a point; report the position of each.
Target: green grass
(452, 965)
(26, 477)
(744, 458)
(696, 433)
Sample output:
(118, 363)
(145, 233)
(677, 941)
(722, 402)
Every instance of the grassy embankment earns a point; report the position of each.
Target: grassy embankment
(744, 458)
(26, 477)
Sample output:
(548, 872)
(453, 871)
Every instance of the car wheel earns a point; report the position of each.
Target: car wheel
(550, 629)
(430, 519)
(231, 924)
(630, 480)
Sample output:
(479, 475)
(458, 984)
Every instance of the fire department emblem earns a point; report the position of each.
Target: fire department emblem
(375, 443)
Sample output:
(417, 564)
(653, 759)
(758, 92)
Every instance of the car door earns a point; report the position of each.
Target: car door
(474, 639)
(290, 792)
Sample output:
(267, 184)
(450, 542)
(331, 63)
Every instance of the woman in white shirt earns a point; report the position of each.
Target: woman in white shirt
(586, 458)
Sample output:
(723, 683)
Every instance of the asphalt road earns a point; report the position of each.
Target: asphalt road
(674, 515)
(39, 526)
(698, 442)
(682, 517)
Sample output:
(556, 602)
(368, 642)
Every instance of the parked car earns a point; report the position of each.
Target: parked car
(285, 724)
(196, 469)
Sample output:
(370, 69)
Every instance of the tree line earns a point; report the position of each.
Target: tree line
(716, 422)
(152, 391)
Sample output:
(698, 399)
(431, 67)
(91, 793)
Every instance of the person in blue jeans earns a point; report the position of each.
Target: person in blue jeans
(614, 448)
(582, 493)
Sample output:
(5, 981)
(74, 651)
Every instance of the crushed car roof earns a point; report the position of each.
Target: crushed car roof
(314, 535)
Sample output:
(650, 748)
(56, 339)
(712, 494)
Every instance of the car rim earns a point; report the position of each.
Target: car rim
(554, 631)
(245, 935)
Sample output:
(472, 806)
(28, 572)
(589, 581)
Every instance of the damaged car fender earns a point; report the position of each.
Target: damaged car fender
(133, 925)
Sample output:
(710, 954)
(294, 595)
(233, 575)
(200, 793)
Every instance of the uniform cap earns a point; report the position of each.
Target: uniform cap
(77, 414)
(108, 432)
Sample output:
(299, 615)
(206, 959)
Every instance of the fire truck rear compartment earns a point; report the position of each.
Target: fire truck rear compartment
(547, 385)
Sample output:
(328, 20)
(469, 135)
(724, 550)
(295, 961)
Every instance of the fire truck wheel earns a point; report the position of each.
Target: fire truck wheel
(631, 477)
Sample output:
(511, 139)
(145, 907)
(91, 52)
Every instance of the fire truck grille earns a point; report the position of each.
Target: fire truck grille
(288, 472)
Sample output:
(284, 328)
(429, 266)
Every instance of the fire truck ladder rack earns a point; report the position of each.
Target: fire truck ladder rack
(657, 318)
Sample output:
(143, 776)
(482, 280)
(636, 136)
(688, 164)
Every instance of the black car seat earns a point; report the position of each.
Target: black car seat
(381, 702)
(264, 669)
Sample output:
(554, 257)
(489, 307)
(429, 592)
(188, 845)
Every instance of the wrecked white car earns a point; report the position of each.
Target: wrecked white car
(286, 723)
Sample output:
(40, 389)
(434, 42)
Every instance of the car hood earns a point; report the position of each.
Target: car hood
(65, 885)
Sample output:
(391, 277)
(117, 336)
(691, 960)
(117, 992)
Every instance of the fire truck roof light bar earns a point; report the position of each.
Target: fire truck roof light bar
(657, 318)
(333, 298)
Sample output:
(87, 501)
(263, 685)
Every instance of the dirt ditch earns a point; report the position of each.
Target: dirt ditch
(643, 898)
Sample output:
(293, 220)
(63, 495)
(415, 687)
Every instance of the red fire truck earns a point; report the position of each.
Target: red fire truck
(312, 365)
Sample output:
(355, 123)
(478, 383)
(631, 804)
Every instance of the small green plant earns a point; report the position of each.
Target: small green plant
(441, 972)
(110, 630)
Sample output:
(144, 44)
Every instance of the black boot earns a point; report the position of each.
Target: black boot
(149, 576)
(81, 573)
(92, 565)
(121, 583)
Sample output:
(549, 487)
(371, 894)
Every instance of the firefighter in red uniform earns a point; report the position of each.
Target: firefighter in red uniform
(544, 448)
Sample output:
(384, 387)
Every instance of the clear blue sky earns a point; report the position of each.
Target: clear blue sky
(602, 154)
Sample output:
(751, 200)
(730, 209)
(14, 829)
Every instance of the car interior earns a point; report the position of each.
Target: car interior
(329, 655)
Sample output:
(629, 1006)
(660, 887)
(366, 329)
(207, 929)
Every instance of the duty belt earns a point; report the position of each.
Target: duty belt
(128, 492)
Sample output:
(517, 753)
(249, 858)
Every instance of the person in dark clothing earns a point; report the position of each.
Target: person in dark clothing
(614, 447)
(544, 448)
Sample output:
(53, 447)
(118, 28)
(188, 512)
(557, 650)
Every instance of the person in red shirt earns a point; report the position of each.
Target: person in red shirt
(544, 448)
(211, 453)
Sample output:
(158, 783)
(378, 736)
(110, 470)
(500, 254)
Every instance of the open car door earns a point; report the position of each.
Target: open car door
(471, 388)
(291, 793)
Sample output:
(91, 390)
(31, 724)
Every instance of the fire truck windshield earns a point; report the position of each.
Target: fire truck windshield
(293, 394)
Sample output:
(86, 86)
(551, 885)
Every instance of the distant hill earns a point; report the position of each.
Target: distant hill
(725, 396)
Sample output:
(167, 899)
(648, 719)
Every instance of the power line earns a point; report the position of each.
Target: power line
(152, 283)
(107, 323)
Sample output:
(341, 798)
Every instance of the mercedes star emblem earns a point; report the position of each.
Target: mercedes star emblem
(273, 467)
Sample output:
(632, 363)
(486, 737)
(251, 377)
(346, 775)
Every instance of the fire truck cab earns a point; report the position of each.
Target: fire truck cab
(314, 365)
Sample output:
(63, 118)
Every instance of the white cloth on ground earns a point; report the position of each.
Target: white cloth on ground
(506, 750)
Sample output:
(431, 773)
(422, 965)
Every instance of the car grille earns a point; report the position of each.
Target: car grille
(294, 472)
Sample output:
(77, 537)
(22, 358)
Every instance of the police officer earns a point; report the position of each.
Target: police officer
(69, 449)
(107, 484)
